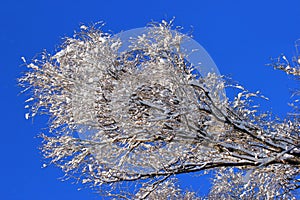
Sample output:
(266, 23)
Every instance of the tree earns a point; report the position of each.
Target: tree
(127, 124)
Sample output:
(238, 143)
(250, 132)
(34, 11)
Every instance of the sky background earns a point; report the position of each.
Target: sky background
(240, 35)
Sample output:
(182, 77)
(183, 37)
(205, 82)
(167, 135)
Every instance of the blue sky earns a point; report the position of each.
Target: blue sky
(239, 35)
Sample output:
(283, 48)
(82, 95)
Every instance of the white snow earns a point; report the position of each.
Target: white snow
(83, 27)
(23, 59)
(239, 87)
(30, 99)
(91, 80)
(114, 45)
(33, 66)
(102, 39)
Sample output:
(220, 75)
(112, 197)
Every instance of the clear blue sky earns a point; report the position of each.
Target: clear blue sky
(239, 35)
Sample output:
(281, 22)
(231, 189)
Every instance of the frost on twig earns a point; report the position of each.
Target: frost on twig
(126, 123)
(291, 67)
(272, 182)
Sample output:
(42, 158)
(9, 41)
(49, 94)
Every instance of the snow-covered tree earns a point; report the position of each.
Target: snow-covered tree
(127, 124)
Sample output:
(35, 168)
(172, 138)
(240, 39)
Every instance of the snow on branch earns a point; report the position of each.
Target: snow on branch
(125, 124)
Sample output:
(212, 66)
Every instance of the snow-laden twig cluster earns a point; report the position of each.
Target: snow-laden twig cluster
(125, 123)
(291, 67)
